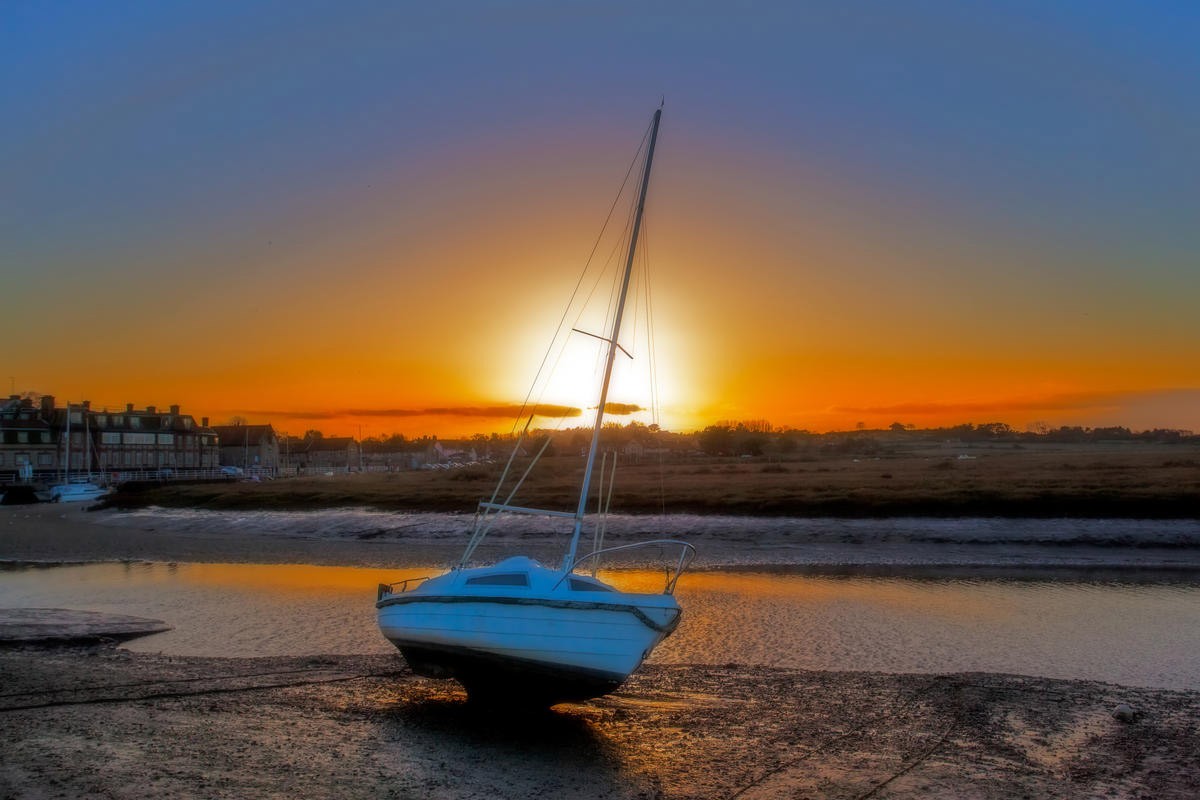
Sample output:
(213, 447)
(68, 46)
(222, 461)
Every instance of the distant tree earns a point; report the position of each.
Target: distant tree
(716, 440)
(313, 435)
(993, 430)
(898, 427)
(237, 421)
(786, 443)
(750, 444)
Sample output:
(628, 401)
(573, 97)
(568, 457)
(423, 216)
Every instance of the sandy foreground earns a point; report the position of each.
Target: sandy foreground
(100, 722)
(96, 721)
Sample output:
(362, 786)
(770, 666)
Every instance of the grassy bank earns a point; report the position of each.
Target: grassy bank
(1078, 481)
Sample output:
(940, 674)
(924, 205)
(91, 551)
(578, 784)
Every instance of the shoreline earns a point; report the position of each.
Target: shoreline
(61, 534)
(98, 721)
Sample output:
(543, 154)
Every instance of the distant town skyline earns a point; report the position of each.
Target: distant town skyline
(371, 215)
(296, 425)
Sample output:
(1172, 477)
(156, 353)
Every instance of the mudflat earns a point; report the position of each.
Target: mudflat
(101, 722)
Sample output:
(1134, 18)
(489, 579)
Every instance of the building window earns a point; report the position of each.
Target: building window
(135, 422)
(166, 438)
(22, 437)
(101, 420)
(45, 460)
(118, 421)
(110, 438)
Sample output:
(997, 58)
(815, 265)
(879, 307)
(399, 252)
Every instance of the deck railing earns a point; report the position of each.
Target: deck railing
(686, 554)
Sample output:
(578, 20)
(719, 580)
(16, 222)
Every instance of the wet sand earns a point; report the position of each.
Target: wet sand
(107, 723)
(69, 533)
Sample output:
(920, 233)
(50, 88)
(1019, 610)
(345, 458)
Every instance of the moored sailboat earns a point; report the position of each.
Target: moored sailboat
(525, 632)
(78, 489)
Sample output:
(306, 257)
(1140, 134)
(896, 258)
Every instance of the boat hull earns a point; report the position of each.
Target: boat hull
(76, 493)
(539, 649)
(496, 679)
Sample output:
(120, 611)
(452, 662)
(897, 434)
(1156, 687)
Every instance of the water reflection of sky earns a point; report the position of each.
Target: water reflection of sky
(1139, 634)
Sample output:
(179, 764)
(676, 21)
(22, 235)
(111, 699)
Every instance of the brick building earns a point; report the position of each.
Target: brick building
(113, 445)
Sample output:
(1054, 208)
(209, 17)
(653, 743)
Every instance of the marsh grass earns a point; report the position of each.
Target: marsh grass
(1081, 481)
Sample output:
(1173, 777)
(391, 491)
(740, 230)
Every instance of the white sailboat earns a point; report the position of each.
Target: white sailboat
(522, 632)
(76, 490)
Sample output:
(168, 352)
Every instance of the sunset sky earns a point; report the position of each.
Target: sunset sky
(370, 217)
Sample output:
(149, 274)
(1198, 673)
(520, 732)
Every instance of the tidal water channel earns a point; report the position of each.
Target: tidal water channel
(1134, 633)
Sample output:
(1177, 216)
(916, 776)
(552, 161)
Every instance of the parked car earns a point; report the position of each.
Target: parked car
(232, 472)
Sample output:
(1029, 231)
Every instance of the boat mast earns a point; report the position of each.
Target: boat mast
(67, 463)
(569, 559)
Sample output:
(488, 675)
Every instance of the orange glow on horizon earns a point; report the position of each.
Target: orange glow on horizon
(776, 304)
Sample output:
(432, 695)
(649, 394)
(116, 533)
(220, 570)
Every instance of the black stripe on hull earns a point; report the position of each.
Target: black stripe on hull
(503, 680)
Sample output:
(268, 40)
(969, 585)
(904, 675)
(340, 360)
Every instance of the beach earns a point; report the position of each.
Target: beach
(92, 719)
(100, 722)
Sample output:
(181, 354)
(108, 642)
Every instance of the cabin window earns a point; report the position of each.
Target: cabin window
(500, 579)
(585, 585)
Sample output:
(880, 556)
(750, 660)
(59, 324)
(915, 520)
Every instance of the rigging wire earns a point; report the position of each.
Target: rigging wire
(579, 282)
(610, 262)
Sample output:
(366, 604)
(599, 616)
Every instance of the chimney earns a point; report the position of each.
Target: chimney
(175, 411)
(129, 408)
(150, 410)
(204, 422)
(47, 405)
(87, 405)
